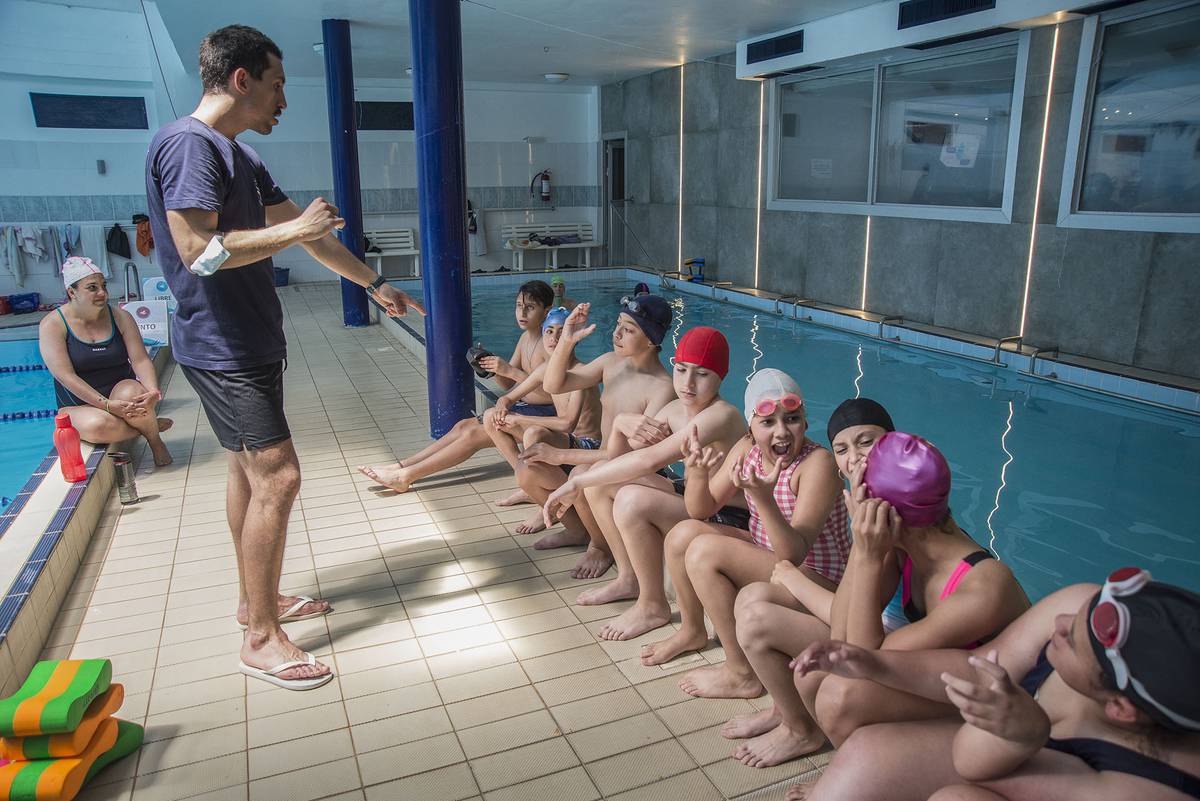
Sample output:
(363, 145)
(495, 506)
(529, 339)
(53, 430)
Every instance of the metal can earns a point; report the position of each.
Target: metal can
(126, 484)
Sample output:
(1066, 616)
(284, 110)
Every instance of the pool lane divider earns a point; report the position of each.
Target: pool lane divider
(21, 368)
(31, 414)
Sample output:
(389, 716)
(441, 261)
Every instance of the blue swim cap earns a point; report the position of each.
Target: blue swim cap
(555, 317)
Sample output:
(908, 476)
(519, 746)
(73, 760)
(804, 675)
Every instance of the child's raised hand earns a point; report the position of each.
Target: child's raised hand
(576, 327)
(992, 703)
(747, 479)
(695, 457)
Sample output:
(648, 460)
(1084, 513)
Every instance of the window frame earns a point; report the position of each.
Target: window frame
(1079, 128)
(877, 63)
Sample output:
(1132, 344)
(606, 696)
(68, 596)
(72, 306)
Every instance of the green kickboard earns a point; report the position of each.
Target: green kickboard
(54, 697)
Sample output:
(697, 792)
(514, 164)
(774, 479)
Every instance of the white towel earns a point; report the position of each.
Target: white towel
(31, 242)
(10, 254)
(94, 245)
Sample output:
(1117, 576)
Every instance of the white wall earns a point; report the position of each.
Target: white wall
(76, 50)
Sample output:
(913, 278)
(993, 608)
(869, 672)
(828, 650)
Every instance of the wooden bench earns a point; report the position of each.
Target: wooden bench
(393, 242)
(518, 232)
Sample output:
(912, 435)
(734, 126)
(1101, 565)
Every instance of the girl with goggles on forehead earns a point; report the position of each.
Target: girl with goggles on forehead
(1090, 695)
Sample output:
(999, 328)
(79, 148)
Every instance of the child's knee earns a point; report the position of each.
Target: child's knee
(754, 623)
(758, 592)
(837, 707)
(701, 554)
(632, 502)
(681, 535)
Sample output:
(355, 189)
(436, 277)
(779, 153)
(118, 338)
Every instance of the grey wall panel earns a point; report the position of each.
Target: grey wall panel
(902, 277)
(981, 276)
(1168, 336)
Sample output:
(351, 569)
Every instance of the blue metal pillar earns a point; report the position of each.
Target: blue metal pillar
(442, 193)
(343, 144)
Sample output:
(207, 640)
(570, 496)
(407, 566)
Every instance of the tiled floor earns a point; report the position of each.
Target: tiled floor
(464, 669)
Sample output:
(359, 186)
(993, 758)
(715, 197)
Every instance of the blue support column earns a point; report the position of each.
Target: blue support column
(343, 145)
(442, 193)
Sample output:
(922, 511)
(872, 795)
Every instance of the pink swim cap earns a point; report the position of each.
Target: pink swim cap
(911, 475)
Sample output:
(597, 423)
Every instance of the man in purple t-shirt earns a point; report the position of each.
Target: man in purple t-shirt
(218, 217)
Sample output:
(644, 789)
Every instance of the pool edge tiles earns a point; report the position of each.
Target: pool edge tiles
(62, 528)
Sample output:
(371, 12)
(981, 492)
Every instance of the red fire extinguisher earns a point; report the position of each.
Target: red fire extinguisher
(544, 178)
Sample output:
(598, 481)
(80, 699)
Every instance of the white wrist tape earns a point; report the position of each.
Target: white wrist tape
(212, 258)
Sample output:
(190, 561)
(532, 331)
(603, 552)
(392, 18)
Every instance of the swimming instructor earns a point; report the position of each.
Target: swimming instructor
(218, 218)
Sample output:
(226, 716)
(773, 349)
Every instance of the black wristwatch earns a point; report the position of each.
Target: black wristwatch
(374, 285)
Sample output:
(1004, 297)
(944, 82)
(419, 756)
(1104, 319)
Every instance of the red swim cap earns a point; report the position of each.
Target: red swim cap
(704, 347)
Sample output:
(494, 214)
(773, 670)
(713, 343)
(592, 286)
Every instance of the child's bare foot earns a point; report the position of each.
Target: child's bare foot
(563, 538)
(635, 622)
(744, 726)
(593, 564)
(721, 682)
(619, 589)
(517, 498)
(535, 523)
(801, 791)
(392, 476)
(680, 642)
(164, 424)
(777, 746)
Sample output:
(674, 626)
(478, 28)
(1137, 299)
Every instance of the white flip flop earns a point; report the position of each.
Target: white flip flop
(271, 675)
(289, 615)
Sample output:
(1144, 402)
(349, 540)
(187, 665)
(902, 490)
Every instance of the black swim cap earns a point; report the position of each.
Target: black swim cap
(1160, 653)
(858, 412)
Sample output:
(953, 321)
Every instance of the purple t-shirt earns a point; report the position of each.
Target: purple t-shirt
(231, 319)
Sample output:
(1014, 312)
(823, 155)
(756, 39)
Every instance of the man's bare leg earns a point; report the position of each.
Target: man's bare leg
(643, 516)
(237, 498)
(272, 475)
(469, 439)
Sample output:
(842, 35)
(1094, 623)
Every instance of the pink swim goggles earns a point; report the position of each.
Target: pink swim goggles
(767, 406)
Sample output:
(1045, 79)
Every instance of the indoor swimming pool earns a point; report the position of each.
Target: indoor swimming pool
(1063, 484)
(25, 441)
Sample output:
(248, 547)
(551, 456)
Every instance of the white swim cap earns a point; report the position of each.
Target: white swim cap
(769, 384)
(77, 268)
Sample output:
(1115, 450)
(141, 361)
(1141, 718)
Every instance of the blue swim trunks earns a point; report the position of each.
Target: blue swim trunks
(584, 443)
(534, 409)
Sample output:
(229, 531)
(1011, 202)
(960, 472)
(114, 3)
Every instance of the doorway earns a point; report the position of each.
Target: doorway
(615, 201)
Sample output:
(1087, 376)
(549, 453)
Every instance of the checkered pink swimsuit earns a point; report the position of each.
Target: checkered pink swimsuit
(829, 554)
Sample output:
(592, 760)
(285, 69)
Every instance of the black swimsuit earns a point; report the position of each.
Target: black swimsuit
(102, 365)
(1101, 755)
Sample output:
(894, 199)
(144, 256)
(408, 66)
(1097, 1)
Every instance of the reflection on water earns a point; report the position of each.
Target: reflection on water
(1063, 484)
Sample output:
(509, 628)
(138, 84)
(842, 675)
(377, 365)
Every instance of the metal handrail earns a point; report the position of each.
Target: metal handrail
(629, 229)
(1017, 339)
(783, 298)
(1039, 352)
(885, 320)
(136, 277)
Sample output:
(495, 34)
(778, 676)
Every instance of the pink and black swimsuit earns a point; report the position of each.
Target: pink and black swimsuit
(960, 570)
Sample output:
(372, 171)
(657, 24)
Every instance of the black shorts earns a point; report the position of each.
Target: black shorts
(732, 516)
(244, 407)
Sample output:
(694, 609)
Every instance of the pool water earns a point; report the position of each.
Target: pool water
(1063, 484)
(25, 442)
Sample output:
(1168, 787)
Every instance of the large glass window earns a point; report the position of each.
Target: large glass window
(943, 130)
(1143, 143)
(825, 137)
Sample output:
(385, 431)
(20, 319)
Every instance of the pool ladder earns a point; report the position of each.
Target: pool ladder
(1000, 343)
(796, 300)
(137, 280)
(888, 321)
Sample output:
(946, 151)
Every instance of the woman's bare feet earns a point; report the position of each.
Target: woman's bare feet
(593, 564)
(721, 682)
(517, 498)
(392, 476)
(535, 523)
(619, 589)
(777, 746)
(162, 456)
(744, 726)
(635, 621)
(680, 642)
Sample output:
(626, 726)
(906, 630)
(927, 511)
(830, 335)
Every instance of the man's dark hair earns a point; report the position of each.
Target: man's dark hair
(224, 50)
(537, 291)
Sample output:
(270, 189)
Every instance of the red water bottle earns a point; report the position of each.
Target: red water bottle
(66, 441)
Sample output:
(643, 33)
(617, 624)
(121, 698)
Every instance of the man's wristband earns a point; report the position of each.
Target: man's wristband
(373, 287)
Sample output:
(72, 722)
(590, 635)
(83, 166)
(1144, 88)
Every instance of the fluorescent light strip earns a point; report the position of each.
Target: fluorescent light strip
(679, 232)
(1037, 192)
(866, 264)
(762, 91)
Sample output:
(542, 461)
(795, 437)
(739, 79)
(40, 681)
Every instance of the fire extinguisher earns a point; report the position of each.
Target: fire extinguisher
(544, 177)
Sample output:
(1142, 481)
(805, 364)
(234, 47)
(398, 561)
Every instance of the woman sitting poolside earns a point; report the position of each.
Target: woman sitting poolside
(103, 376)
(955, 595)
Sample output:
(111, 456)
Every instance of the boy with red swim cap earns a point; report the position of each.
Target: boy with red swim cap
(634, 503)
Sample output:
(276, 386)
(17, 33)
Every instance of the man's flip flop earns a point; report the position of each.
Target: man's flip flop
(291, 614)
(271, 675)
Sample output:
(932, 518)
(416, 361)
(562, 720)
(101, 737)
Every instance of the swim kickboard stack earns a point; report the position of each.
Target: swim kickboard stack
(58, 730)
